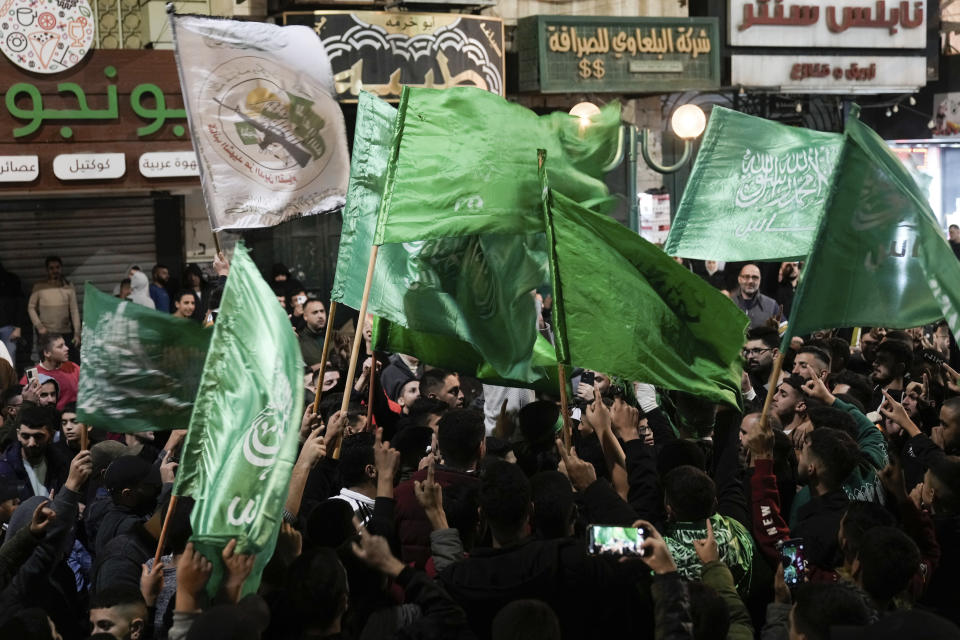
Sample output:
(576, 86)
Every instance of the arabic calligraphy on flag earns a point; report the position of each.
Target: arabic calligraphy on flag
(268, 133)
(757, 190)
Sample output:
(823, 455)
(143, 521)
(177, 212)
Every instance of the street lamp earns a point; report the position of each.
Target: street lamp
(688, 122)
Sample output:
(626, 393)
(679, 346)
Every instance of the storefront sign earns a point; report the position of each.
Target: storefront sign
(841, 23)
(89, 166)
(559, 54)
(46, 36)
(169, 164)
(19, 168)
(830, 74)
(117, 101)
(380, 52)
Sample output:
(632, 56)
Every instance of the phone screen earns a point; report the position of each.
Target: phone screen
(609, 540)
(793, 560)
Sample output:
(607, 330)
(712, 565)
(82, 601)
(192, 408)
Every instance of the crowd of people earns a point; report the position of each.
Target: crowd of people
(456, 510)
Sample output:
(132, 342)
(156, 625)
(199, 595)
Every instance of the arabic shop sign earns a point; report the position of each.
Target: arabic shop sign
(46, 36)
(380, 52)
(19, 168)
(124, 102)
(169, 164)
(25, 102)
(841, 23)
(89, 166)
(559, 54)
(830, 74)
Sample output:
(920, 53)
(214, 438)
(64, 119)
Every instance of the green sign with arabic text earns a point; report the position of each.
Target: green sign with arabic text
(561, 54)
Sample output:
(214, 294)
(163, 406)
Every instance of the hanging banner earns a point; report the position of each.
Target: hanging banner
(379, 52)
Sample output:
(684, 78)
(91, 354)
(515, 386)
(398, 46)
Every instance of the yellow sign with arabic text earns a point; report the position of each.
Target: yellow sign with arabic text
(381, 52)
(560, 54)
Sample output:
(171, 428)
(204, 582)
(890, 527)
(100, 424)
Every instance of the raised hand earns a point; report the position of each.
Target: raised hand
(581, 474)
(707, 549)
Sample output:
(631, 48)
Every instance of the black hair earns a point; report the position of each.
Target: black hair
(536, 421)
(691, 493)
(823, 416)
(860, 386)
(114, 596)
(889, 559)
(505, 496)
(947, 473)
(330, 523)
(860, 518)
(818, 607)
(424, 407)
(316, 582)
(819, 353)
(837, 451)
(769, 336)
(70, 407)
(182, 292)
(839, 354)
(459, 435)
(156, 268)
(355, 454)
(711, 618)
(47, 340)
(553, 504)
(40, 418)
(432, 381)
(676, 453)
(526, 620)
(50, 259)
(901, 352)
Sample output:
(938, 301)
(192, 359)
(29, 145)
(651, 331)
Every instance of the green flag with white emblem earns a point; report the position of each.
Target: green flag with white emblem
(242, 441)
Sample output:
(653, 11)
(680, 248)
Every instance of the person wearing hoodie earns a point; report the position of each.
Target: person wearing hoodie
(45, 579)
(140, 289)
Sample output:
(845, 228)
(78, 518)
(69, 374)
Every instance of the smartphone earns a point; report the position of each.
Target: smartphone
(588, 378)
(610, 540)
(794, 561)
(32, 375)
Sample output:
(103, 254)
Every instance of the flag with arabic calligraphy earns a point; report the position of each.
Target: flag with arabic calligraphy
(879, 258)
(757, 190)
(243, 436)
(268, 133)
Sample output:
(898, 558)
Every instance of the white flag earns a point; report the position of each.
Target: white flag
(266, 129)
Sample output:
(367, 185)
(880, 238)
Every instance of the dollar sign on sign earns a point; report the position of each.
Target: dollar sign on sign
(585, 71)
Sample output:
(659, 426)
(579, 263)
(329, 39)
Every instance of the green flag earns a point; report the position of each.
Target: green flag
(465, 299)
(456, 355)
(141, 368)
(465, 163)
(242, 441)
(880, 257)
(624, 307)
(757, 191)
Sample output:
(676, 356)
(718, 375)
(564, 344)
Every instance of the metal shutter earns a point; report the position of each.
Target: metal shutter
(97, 239)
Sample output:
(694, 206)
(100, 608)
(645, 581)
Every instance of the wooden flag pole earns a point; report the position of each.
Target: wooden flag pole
(327, 336)
(357, 338)
(162, 540)
(84, 441)
(565, 408)
(771, 389)
(371, 379)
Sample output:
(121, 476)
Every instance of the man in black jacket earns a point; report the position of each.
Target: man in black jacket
(559, 572)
